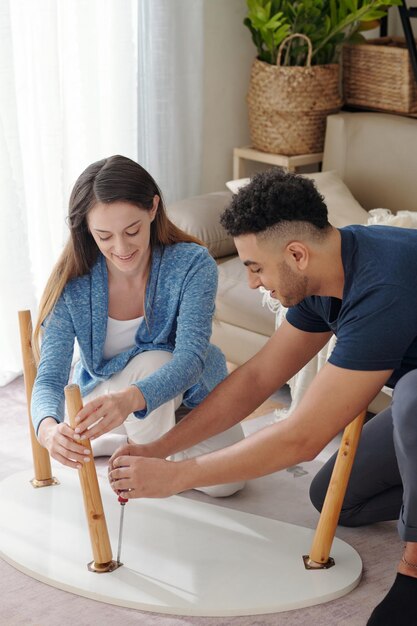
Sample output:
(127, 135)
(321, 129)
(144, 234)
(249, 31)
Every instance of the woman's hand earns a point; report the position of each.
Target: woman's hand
(140, 477)
(107, 412)
(58, 439)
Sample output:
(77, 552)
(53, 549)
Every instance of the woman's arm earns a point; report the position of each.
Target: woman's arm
(54, 366)
(48, 405)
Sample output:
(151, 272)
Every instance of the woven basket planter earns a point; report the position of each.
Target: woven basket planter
(288, 106)
(378, 75)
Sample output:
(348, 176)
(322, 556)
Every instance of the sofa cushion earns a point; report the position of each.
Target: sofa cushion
(239, 305)
(343, 208)
(200, 216)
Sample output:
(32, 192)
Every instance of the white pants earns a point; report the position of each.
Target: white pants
(162, 419)
(158, 421)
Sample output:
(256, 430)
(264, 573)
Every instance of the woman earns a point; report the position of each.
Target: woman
(138, 295)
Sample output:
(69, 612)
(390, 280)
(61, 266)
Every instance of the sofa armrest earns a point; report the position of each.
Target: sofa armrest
(200, 216)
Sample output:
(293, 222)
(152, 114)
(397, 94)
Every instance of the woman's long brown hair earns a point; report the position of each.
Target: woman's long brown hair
(116, 178)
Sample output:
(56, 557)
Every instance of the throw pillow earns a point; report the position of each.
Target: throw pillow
(343, 208)
(200, 216)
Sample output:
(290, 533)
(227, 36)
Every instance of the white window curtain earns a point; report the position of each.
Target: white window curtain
(81, 80)
(170, 88)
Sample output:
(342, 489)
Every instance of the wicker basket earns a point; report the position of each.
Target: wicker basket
(378, 75)
(288, 106)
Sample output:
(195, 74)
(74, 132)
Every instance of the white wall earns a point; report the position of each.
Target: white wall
(229, 52)
(394, 21)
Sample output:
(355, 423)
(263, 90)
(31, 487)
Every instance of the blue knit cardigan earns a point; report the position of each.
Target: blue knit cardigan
(179, 306)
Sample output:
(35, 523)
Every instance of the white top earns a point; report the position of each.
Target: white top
(120, 336)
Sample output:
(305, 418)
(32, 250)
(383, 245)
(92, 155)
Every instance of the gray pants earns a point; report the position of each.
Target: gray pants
(383, 482)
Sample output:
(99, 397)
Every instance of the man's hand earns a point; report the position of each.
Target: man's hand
(107, 412)
(137, 449)
(140, 477)
(58, 439)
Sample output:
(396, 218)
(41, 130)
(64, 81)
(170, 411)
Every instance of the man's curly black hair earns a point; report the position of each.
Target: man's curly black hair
(272, 198)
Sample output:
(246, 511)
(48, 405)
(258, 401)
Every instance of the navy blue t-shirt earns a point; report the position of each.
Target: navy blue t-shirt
(376, 321)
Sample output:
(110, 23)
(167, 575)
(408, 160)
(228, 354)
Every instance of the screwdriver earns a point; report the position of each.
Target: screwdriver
(122, 512)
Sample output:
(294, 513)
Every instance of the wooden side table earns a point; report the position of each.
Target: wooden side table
(289, 162)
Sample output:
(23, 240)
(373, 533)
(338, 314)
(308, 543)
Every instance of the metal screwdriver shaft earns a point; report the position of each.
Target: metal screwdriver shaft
(122, 513)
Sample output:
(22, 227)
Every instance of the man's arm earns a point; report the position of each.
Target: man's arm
(285, 353)
(334, 398)
(332, 401)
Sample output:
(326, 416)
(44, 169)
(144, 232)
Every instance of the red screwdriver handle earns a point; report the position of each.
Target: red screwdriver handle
(122, 500)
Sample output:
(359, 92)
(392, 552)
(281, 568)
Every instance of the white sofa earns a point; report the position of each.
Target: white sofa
(370, 161)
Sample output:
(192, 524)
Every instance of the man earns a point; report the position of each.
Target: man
(359, 283)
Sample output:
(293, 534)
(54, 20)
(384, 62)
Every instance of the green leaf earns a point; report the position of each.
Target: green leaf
(333, 13)
(328, 23)
(357, 38)
(373, 15)
(281, 33)
(350, 6)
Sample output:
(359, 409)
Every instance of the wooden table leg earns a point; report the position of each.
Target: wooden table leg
(93, 505)
(326, 528)
(41, 461)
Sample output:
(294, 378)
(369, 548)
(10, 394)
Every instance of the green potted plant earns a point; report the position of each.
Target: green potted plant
(295, 78)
